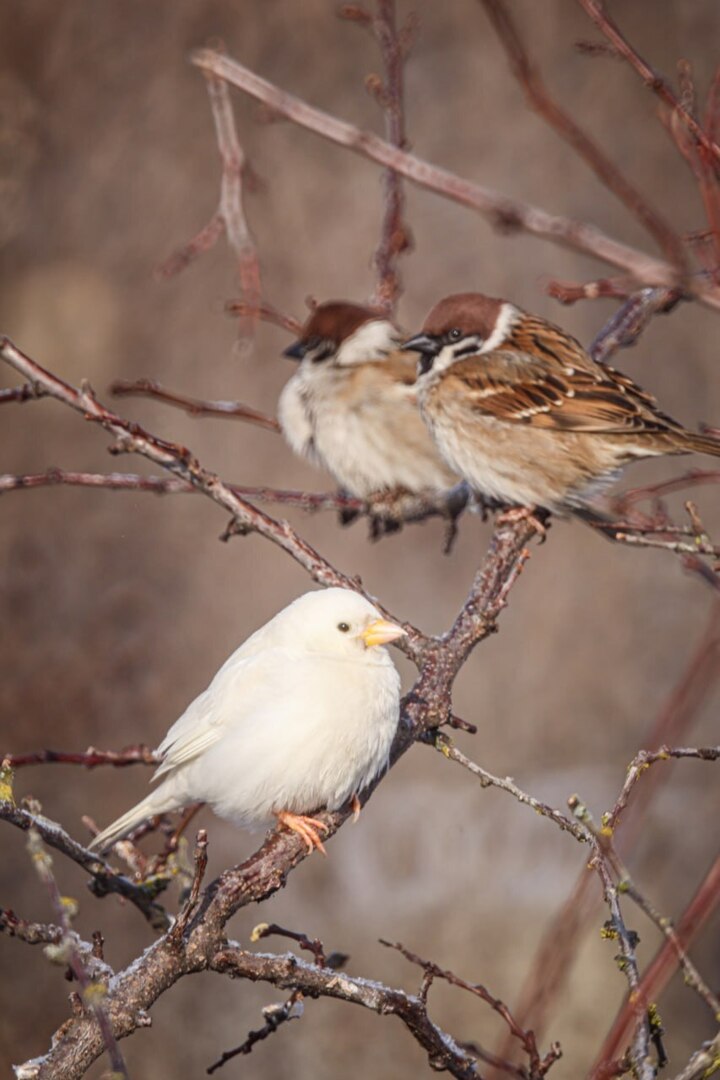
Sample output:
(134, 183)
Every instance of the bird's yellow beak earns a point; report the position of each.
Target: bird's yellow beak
(380, 632)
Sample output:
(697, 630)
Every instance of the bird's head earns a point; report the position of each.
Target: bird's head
(338, 623)
(342, 334)
(466, 324)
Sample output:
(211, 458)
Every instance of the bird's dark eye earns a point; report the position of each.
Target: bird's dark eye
(343, 627)
(455, 334)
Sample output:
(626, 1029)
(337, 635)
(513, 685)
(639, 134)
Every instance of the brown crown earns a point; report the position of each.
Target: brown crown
(472, 313)
(336, 320)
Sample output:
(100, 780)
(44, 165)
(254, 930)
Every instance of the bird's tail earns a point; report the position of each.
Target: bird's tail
(700, 444)
(157, 802)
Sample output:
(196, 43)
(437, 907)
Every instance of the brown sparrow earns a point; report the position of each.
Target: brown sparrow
(519, 409)
(351, 405)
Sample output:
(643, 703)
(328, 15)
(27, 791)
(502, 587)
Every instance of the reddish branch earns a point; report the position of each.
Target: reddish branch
(178, 460)
(567, 292)
(19, 394)
(642, 762)
(502, 211)
(553, 961)
(228, 410)
(229, 218)
(394, 45)
(652, 78)
(104, 880)
(385, 515)
(661, 968)
(90, 758)
(537, 1066)
(267, 313)
(540, 100)
(231, 209)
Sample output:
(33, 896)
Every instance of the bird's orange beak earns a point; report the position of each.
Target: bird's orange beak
(381, 632)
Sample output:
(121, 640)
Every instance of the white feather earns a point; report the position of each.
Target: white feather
(300, 717)
(371, 341)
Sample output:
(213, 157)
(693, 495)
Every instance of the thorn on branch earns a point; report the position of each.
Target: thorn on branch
(180, 925)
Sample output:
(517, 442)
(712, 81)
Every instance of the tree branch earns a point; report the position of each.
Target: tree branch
(228, 410)
(656, 82)
(607, 173)
(104, 879)
(502, 211)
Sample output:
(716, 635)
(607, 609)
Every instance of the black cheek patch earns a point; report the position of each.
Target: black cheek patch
(467, 350)
(325, 349)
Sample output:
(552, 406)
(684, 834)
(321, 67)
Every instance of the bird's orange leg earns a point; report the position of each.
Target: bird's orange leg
(356, 808)
(524, 513)
(306, 827)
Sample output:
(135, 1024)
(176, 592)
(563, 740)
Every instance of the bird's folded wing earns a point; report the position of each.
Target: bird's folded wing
(237, 692)
(556, 397)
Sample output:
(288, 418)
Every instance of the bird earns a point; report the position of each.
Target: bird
(300, 717)
(351, 407)
(521, 411)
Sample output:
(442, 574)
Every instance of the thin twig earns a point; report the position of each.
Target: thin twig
(504, 212)
(652, 78)
(90, 758)
(181, 923)
(395, 237)
(275, 1016)
(104, 879)
(538, 1066)
(703, 1063)
(20, 394)
(661, 968)
(487, 779)
(231, 209)
(267, 313)
(554, 957)
(608, 173)
(245, 518)
(642, 762)
(227, 410)
(92, 991)
(615, 288)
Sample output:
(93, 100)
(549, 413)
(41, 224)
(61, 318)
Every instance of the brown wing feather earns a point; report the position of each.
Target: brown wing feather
(564, 391)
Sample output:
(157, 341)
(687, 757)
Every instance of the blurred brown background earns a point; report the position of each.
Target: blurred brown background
(117, 608)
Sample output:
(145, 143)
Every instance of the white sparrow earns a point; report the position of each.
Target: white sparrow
(300, 717)
(351, 405)
(519, 409)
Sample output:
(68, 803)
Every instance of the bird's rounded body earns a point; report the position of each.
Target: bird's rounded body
(520, 411)
(351, 407)
(323, 736)
(516, 465)
(300, 717)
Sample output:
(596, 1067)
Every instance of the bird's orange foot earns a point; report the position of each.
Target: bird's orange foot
(524, 513)
(306, 827)
(356, 808)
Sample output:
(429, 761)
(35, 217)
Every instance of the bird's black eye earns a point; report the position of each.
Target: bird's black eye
(455, 334)
(343, 627)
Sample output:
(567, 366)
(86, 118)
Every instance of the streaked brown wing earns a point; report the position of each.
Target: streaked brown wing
(516, 387)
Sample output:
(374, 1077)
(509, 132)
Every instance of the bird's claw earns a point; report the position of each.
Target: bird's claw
(524, 513)
(307, 828)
